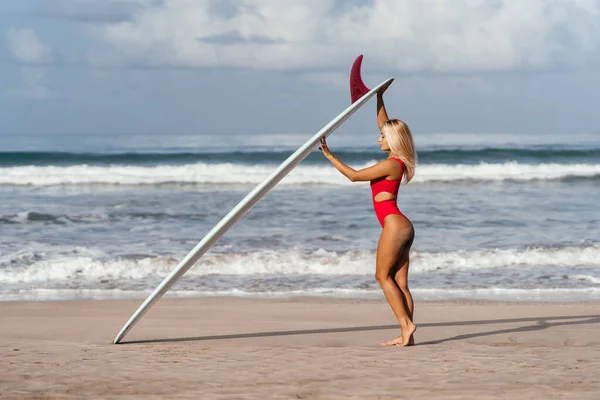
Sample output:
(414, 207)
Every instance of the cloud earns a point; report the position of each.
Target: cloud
(336, 79)
(94, 11)
(445, 36)
(33, 85)
(26, 47)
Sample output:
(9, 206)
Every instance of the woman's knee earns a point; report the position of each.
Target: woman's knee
(382, 277)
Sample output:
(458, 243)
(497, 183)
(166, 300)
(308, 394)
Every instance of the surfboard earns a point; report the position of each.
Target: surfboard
(241, 209)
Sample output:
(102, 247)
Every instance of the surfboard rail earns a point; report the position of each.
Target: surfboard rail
(242, 208)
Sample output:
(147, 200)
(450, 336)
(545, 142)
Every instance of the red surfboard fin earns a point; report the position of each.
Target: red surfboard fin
(357, 87)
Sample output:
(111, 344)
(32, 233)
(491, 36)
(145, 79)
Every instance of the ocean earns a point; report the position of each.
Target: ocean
(499, 217)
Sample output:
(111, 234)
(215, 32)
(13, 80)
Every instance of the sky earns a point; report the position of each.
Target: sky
(162, 67)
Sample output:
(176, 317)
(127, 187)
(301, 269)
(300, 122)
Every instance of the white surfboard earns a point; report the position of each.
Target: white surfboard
(241, 209)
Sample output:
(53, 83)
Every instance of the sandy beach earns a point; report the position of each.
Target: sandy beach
(313, 348)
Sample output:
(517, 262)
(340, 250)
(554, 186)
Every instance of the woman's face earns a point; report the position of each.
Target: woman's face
(383, 142)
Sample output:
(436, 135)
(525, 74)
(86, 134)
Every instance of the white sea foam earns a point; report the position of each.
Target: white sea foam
(504, 171)
(26, 268)
(419, 294)
(498, 258)
(231, 174)
(509, 294)
(586, 278)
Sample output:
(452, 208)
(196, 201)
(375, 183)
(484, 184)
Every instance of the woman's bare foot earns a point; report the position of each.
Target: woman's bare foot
(399, 340)
(408, 337)
(394, 342)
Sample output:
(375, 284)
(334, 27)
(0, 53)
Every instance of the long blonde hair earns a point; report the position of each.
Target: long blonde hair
(401, 144)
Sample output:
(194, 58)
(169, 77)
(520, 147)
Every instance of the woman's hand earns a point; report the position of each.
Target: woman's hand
(325, 149)
(384, 88)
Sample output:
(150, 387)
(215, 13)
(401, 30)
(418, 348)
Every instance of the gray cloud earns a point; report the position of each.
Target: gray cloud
(234, 37)
(452, 36)
(33, 85)
(226, 9)
(93, 11)
(26, 47)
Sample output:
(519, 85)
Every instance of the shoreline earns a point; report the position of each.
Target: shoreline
(312, 348)
(302, 298)
(540, 295)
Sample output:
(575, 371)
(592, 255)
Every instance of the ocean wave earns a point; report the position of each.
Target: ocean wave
(234, 174)
(532, 155)
(585, 278)
(419, 294)
(35, 217)
(82, 264)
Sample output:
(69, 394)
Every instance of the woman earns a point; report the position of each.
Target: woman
(398, 233)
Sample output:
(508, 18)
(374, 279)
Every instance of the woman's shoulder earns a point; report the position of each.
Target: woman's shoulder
(396, 160)
(392, 164)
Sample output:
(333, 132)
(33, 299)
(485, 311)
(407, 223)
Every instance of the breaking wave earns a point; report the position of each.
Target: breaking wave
(236, 174)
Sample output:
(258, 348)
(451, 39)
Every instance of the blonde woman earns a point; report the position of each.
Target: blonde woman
(398, 233)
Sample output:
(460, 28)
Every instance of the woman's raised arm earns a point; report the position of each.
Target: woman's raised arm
(381, 113)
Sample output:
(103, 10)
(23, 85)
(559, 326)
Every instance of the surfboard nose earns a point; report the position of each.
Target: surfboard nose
(357, 87)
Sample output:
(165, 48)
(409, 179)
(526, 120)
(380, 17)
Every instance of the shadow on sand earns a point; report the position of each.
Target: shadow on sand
(539, 323)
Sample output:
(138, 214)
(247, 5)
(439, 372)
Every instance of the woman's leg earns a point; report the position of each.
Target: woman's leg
(401, 278)
(389, 250)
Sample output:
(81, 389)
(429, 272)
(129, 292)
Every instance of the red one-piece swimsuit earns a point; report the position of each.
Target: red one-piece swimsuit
(386, 207)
